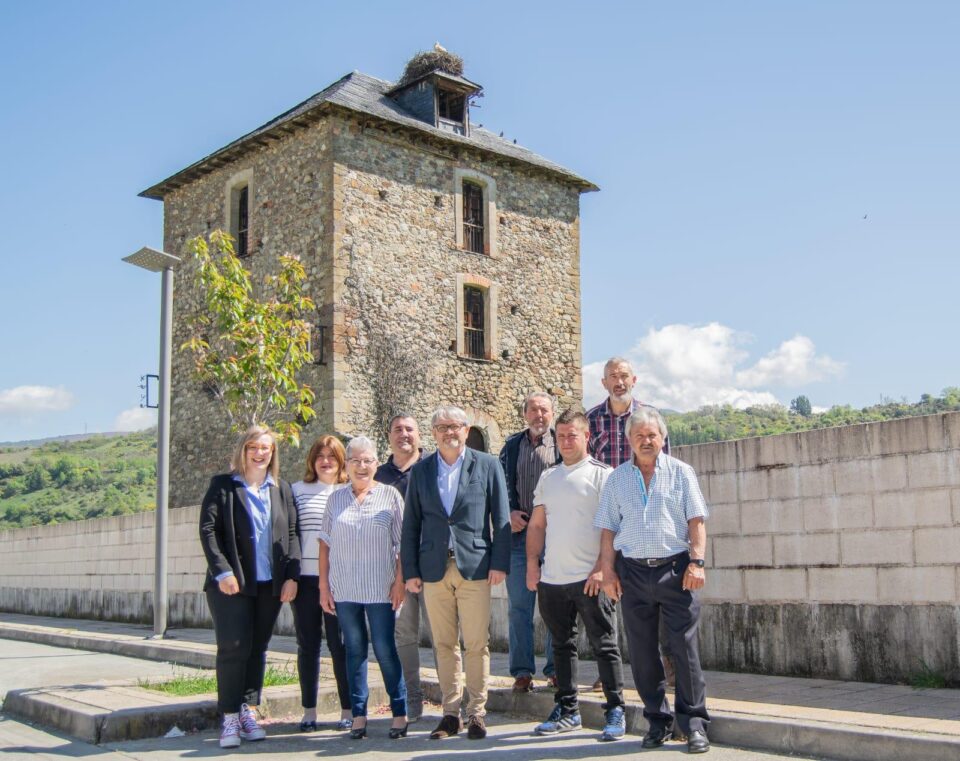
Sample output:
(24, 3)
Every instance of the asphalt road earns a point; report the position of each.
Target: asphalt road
(25, 665)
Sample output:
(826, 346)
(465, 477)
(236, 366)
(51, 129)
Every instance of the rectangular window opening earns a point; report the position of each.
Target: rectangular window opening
(243, 221)
(473, 217)
(450, 105)
(474, 333)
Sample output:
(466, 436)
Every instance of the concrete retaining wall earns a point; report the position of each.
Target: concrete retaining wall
(831, 553)
(835, 552)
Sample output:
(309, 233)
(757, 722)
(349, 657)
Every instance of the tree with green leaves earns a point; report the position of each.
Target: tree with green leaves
(801, 405)
(247, 350)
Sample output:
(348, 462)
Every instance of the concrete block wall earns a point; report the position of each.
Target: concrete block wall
(830, 553)
(844, 538)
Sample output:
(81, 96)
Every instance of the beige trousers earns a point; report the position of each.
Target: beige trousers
(455, 606)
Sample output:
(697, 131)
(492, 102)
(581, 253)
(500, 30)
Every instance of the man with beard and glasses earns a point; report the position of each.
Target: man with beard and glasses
(524, 456)
(455, 547)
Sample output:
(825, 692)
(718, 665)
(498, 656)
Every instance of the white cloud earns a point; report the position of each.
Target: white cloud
(28, 400)
(135, 419)
(793, 363)
(683, 367)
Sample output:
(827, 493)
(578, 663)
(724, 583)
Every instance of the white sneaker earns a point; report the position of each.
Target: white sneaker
(230, 734)
(249, 729)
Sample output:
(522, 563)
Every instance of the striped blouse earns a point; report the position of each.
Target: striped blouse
(364, 541)
(311, 501)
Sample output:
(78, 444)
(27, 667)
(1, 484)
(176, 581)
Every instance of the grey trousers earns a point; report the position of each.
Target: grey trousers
(407, 634)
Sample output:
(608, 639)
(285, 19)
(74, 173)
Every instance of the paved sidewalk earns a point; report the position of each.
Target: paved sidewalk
(814, 716)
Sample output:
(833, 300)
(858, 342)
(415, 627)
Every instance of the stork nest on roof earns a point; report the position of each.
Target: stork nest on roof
(425, 62)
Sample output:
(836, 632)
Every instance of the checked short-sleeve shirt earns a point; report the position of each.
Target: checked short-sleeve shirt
(651, 522)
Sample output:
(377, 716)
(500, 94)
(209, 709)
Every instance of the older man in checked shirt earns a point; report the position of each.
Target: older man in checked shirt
(652, 546)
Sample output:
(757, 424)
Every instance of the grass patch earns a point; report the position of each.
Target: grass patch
(200, 683)
(926, 678)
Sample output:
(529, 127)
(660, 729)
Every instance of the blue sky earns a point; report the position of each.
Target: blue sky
(738, 147)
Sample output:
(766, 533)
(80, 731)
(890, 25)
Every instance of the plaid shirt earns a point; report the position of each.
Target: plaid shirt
(651, 523)
(607, 440)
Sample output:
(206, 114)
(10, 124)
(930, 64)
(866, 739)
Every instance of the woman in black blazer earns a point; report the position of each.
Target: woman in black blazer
(248, 529)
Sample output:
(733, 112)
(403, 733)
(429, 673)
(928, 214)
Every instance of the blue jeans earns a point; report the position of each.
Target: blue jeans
(522, 604)
(354, 629)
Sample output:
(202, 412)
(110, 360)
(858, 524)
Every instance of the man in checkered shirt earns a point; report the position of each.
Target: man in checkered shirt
(609, 444)
(652, 544)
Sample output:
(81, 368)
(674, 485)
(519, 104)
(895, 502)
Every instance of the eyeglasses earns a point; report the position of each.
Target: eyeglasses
(259, 447)
(366, 461)
(449, 428)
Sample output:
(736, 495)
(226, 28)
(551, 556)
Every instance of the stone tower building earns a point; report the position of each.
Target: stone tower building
(420, 232)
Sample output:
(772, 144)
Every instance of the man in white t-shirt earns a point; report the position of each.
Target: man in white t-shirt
(568, 583)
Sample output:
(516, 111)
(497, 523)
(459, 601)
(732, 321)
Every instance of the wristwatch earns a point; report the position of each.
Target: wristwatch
(696, 561)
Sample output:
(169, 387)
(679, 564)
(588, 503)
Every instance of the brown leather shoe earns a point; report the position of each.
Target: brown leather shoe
(449, 726)
(523, 683)
(476, 729)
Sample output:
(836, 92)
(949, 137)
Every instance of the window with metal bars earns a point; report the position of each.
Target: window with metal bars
(474, 332)
(473, 217)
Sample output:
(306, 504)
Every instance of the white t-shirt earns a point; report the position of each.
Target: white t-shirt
(311, 502)
(571, 496)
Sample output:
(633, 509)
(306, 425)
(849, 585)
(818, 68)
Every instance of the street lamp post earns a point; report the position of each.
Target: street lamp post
(160, 261)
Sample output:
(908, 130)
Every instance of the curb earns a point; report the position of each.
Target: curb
(67, 709)
(84, 712)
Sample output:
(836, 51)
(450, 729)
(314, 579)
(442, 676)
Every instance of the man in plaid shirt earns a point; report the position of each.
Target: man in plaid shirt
(607, 440)
(610, 445)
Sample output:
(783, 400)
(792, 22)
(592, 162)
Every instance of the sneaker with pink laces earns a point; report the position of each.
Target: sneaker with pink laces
(230, 734)
(249, 729)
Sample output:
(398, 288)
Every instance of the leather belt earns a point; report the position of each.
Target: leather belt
(657, 562)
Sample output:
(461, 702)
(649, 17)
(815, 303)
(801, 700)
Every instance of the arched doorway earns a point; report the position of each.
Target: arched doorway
(476, 439)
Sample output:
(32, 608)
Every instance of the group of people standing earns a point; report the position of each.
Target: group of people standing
(587, 512)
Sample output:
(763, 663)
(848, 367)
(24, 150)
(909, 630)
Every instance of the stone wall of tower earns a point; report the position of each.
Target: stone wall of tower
(396, 269)
(290, 212)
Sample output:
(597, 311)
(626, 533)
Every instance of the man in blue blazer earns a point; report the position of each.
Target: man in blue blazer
(455, 546)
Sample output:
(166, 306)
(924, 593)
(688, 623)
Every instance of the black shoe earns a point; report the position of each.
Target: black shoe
(655, 737)
(358, 733)
(448, 727)
(476, 728)
(397, 732)
(308, 726)
(698, 742)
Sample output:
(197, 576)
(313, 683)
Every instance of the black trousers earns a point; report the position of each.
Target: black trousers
(243, 625)
(309, 619)
(559, 606)
(648, 595)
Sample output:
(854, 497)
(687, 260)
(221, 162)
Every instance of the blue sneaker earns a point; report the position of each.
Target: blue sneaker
(615, 724)
(558, 721)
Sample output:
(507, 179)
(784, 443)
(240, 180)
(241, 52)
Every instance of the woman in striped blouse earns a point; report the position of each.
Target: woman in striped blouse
(326, 472)
(360, 577)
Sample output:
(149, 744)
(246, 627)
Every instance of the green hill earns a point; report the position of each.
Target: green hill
(722, 423)
(71, 480)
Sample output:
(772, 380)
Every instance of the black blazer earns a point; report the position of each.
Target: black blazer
(226, 533)
(479, 522)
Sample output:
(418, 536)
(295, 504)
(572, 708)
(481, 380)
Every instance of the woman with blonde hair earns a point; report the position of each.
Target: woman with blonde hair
(325, 473)
(248, 529)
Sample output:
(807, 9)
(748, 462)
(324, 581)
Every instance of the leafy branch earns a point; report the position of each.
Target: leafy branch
(247, 351)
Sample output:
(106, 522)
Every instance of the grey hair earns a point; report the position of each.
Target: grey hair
(644, 415)
(617, 361)
(448, 412)
(360, 444)
(540, 395)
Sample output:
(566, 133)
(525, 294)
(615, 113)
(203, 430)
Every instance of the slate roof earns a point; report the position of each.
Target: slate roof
(362, 94)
